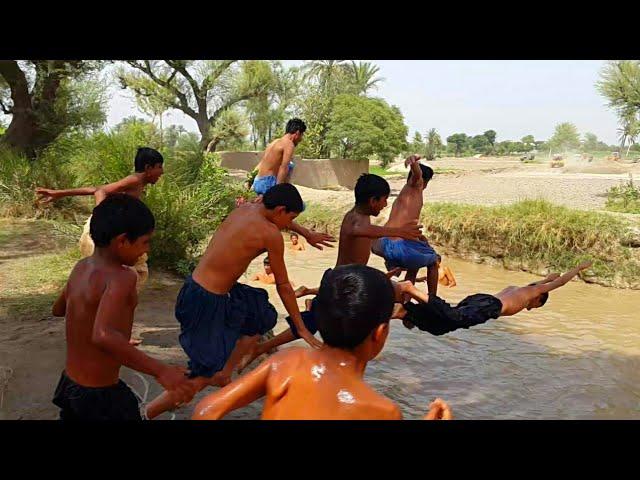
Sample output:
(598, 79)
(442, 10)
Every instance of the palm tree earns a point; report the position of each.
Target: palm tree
(433, 143)
(327, 72)
(362, 75)
(629, 129)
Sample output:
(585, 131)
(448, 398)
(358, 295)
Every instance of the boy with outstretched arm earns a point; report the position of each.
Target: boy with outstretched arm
(354, 304)
(220, 319)
(98, 303)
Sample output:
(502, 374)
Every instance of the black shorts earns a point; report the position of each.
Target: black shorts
(438, 317)
(77, 402)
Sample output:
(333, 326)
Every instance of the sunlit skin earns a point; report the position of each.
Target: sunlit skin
(304, 384)
(98, 303)
(514, 299)
(296, 244)
(247, 232)
(407, 208)
(277, 156)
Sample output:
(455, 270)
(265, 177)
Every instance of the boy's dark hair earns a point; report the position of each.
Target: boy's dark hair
(371, 186)
(543, 296)
(286, 195)
(117, 214)
(427, 173)
(266, 261)
(294, 234)
(147, 156)
(294, 125)
(352, 301)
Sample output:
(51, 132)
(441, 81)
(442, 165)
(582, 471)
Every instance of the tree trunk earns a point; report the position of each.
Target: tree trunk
(205, 133)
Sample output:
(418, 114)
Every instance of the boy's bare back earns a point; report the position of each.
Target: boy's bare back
(352, 248)
(273, 156)
(88, 283)
(243, 235)
(315, 384)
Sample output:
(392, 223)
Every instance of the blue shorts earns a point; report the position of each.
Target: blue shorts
(407, 254)
(262, 184)
(210, 324)
(309, 320)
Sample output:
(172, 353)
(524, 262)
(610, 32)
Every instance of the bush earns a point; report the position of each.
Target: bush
(624, 198)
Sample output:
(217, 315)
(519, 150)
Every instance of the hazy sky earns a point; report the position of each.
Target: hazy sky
(514, 98)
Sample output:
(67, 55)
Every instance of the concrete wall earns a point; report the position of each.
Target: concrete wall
(312, 173)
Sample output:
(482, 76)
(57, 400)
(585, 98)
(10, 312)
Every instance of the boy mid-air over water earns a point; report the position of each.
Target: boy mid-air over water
(354, 304)
(148, 170)
(221, 319)
(410, 254)
(98, 303)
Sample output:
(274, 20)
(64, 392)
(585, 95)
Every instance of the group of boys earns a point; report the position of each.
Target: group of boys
(222, 321)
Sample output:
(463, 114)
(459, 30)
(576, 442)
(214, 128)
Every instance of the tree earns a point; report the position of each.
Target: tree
(202, 90)
(481, 144)
(363, 77)
(629, 129)
(417, 145)
(620, 84)
(47, 98)
(565, 137)
(229, 131)
(491, 135)
(528, 143)
(459, 142)
(590, 143)
(434, 142)
(361, 127)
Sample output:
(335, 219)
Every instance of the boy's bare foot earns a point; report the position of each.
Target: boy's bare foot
(439, 410)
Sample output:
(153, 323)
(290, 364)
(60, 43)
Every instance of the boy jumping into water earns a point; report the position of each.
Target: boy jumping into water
(148, 170)
(98, 303)
(354, 304)
(437, 317)
(221, 319)
(410, 254)
(356, 236)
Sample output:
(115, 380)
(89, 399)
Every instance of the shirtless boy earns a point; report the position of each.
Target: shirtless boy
(221, 319)
(98, 303)
(437, 317)
(267, 277)
(296, 244)
(354, 304)
(356, 236)
(410, 255)
(148, 170)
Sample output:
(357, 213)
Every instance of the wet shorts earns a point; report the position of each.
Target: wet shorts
(210, 324)
(262, 184)
(76, 402)
(309, 320)
(438, 317)
(407, 254)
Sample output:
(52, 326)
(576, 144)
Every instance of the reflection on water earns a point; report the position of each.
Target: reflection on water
(578, 357)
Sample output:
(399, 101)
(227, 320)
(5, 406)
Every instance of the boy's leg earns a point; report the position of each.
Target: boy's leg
(264, 347)
(432, 279)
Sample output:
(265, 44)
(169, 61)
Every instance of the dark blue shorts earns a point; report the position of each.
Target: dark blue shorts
(309, 320)
(210, 324)
(407, 254)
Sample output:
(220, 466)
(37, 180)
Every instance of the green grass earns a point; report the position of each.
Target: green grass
(624, 198)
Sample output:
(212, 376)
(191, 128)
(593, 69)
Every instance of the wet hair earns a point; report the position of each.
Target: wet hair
(294, 125)
(427, 173)
(117, 214)
(147, 156)
(294, 235)
(266, 261)
(543, 296)
(285, 195)
(351, 302)
(370, 186)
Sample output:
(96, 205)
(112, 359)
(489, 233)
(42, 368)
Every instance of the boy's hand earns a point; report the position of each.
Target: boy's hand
(310, 339)
(411, 159)
(47, 195)
(393, 272)
(410, 231)
(174, 379)
(317, 239)
(439, 410)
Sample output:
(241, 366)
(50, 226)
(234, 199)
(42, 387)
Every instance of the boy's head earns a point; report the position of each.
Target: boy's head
(296, 128)
(371, 193)
(353, 308)
(149, 161)
(427, 174)
(538, 301)
(294, 238)
(124, 225)
(267, 265)
(284, 204)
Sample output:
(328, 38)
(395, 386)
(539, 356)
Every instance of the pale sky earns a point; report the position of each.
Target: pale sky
(514, 98)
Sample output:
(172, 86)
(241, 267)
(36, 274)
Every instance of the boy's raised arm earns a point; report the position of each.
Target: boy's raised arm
(411, 231)
(237, 394)
(562, 279)
(59, 308)
(48, 195)
(315, 239)
(126, 183)
(416, 173)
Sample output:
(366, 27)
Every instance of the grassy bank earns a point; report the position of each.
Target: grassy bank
(535, 236)
(624, 198)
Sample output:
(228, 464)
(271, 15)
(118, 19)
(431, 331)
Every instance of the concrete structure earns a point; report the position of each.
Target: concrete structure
(312, 173)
